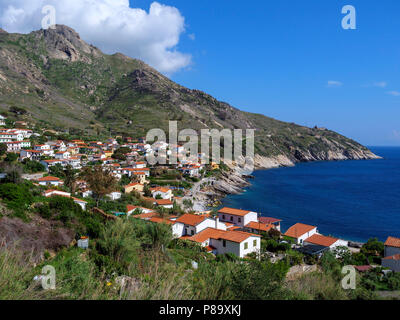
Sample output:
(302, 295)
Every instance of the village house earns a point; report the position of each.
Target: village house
(192, 224)
(115, 195)
(257, 227)
(131, 209)
(392, 246)
(163, 192)
(300, 232)
(50, 181)
(134, 186)
(237, 216)
(50, 193)
(325, 241)
(165, 203)
(269, 220)
(221, 242)
(30, 154)
(2, 120)
(60, 155)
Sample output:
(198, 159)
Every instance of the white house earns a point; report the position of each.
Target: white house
(49, 193)
(139, 165)
(115, 195)
(194, 224)
(131, 209)
(300, 232)
(2, 120)
(60, 155)
(163, 192)
(50, 181)
(324, 241)
(236, 216)
(221, 241)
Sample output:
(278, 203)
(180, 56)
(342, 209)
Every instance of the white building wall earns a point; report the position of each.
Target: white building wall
(178, 229)
(306, 236)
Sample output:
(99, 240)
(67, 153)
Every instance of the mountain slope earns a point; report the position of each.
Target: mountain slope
(64, 83)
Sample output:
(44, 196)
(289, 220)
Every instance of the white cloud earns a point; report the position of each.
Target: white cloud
(394, 93)
(334, 84)
(111, 25)
(192, 36)
(381, 84)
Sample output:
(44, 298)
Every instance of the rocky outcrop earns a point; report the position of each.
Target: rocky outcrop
(65, 43)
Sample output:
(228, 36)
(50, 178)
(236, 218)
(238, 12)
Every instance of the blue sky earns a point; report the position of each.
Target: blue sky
(276, 58)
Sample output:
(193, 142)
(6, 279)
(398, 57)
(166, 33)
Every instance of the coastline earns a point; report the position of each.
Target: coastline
(235, 181)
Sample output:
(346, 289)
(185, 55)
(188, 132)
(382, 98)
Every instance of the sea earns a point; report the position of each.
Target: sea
(353, 200)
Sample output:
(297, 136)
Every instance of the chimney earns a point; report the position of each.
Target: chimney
(216, 222)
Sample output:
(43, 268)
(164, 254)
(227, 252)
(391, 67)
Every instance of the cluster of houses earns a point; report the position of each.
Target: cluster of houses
(230, 231)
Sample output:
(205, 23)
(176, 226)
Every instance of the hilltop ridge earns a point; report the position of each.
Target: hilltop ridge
(64, 82)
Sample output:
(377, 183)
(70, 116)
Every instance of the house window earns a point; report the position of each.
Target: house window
(224, 243)
(255, 243)
(223, 217)
(192, 232)
(231, 218)
(240, 220)
(246, 246)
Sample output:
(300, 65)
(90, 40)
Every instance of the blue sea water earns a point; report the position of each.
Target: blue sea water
(354, 200)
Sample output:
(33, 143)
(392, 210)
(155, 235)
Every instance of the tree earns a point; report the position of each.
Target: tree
(146, 190)
(57, 171)
(11, 157)
(100, 180)
(70, 178)
(14, 173)
(3, 149)
(188, 204)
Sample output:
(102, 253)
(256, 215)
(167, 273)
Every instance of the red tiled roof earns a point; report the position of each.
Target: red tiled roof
(258, 226)
(163, 202)
(394, 257)
(235, 212)
(191, 219)
(49, 178)
(321, 240)
(392, 242)
(268, 220)
(211, 233)
(298, 230)
(362, 268)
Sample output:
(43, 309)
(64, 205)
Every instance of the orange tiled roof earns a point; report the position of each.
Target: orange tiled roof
(162, 189)
(321, 240)
(163, 202)
(394, 257)
(211, 233)
(190, 219)
(298, 230)
(49, 178)
(235, 212)
(258, 226)
(392, 242)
